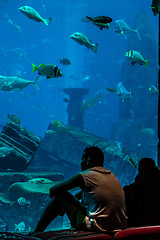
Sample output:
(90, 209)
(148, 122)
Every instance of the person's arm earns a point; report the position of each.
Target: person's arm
(73, 182)
(63, 187)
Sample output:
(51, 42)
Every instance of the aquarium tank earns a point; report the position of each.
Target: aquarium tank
(73, 74)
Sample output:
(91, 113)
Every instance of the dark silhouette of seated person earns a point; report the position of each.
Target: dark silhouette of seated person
(103, 202)
(143, 196)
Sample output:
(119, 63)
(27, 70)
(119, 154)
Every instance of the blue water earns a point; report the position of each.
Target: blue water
(43, 44)
(96, 71)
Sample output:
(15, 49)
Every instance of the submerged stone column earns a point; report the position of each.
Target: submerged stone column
(75, 106)
(137, 125)
(137, 78)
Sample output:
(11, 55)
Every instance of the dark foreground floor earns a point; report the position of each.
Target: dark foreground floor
(142, 233)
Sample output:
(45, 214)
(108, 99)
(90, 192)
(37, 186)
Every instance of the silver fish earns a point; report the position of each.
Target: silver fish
(82, 39)
(34, 15)
(121, 27)
(23, 202)
(18, 52)
(15, 83)
(20, 227)
(5, 199)
(153, 90)
(122, 92)
(136, 57)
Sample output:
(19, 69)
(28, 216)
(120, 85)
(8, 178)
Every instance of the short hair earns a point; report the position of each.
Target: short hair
(146, 165)
(96, 155)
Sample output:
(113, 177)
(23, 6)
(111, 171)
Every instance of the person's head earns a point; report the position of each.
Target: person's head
(92, 157)
(146, 165)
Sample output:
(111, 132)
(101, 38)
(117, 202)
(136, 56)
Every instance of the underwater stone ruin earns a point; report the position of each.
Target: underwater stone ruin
(56, 157)
(62, 149)
(17, 147)
(137, 125)
(75, 106)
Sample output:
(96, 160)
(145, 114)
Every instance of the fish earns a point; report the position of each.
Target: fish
(92, 101)
(50, 132)
(18, 52)
(82, 39)
(36, 185)
(148, 131)
(40, 180)
(100, 21)
(58, 124)
(155, 6)
(65, 61)
(5, 151)
(153, 90)
(111, 89)
(14, 118)
(34, 15)
(66, 100)
(15, 83)
(121, 27)
(122, 92)
(48, 70)
(136, 57)
(23, 202)
(20, 227)
(14, 25)
(5, 199)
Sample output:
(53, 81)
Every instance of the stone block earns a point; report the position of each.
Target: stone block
(17, 147)
(62, 150)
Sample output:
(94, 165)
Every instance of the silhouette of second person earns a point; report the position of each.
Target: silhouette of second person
(143, 196)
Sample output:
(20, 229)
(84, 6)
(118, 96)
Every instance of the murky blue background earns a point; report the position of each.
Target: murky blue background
(42, 44)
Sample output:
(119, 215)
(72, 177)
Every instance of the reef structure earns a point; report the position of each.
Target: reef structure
(62, 147)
